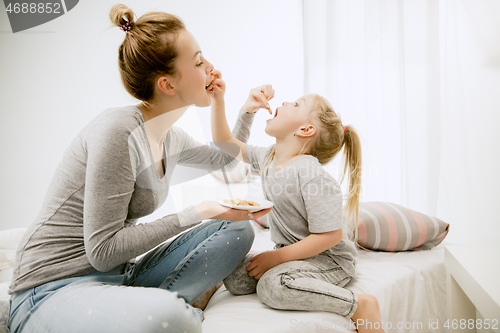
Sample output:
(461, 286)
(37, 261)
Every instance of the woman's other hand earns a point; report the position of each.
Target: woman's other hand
(258, 98)
(219, 86)
(212, 210)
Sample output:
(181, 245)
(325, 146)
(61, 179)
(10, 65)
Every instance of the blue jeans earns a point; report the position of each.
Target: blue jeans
(152, 295)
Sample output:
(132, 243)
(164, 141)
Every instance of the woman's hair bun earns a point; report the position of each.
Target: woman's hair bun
(121, 14)
(148, 50)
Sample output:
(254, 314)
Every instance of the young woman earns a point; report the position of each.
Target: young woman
(313, 259)
(75, 269)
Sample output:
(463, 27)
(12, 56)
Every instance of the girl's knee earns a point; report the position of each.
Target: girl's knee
(271, 290)
(239, 282)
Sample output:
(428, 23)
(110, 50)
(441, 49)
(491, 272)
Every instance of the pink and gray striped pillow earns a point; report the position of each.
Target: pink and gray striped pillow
(386, 226)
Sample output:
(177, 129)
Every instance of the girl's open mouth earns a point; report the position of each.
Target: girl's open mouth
(209, 86)
(275, 114)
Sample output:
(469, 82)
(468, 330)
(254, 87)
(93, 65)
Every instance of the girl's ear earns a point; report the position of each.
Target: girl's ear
(307, 131)
(164, 83)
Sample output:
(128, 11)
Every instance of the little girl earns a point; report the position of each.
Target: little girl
(313, 259)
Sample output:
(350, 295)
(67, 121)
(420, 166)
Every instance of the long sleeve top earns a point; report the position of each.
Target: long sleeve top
(104, 183)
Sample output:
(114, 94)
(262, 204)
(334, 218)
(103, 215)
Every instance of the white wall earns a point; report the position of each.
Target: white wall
(56, 77)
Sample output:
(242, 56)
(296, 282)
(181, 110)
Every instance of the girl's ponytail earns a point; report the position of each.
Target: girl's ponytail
(332, 137)
(352, 169)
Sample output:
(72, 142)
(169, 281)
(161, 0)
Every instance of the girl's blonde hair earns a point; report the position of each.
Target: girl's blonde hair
(331, 137)
(148, 50)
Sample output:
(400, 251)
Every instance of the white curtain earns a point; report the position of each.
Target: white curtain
(420, 80)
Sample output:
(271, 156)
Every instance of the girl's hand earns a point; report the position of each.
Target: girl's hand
(212, 210)
(258, 98)
(263, 262)
(219, 85)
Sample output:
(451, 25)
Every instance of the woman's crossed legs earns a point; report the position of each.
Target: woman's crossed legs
(153, 295)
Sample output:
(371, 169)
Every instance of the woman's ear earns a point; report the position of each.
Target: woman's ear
(164, 83)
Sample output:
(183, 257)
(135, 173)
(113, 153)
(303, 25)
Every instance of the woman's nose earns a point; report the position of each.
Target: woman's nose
(210, 67)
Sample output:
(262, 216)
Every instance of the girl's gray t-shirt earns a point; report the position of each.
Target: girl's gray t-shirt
(104, 183)
(306, 199)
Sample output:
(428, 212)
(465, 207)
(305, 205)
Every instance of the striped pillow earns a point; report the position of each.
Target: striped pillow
(386, 226)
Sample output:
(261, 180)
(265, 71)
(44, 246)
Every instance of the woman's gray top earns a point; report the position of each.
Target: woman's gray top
(105, 182)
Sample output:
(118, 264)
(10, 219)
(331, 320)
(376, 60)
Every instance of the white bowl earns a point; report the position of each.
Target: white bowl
(264, 204)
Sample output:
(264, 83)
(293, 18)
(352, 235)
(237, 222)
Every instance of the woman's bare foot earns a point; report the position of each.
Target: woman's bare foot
(367, 315)
(202, 302)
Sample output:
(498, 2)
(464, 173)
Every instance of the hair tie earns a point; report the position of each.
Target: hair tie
(127, 26)
(343, 128)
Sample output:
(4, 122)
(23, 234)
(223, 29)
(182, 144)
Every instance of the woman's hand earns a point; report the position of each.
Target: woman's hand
(258, 98)
(219, 86)
(212, 210)
(263, 262)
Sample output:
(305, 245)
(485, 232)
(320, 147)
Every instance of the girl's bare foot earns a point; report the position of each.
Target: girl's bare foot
(202, 302)
(367, 315)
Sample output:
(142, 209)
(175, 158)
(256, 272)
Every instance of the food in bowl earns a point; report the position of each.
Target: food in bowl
(251, 205)
(241, 202)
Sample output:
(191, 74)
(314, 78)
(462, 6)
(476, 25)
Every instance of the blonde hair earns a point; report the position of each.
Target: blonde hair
(266, 164)
(148, 50)
(330, 139)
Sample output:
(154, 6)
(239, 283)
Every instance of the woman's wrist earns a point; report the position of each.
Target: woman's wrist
(205, 210)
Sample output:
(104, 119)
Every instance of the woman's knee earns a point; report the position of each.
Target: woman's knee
(97, 307)
(239, 238)
(169, 314)
(243, 231)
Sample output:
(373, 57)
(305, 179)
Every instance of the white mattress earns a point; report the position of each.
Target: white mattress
(410, 288)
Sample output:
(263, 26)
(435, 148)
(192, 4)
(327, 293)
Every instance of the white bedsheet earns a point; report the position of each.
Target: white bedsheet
(410, 288)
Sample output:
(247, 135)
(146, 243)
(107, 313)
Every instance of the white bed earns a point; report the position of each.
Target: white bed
(410, 288)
